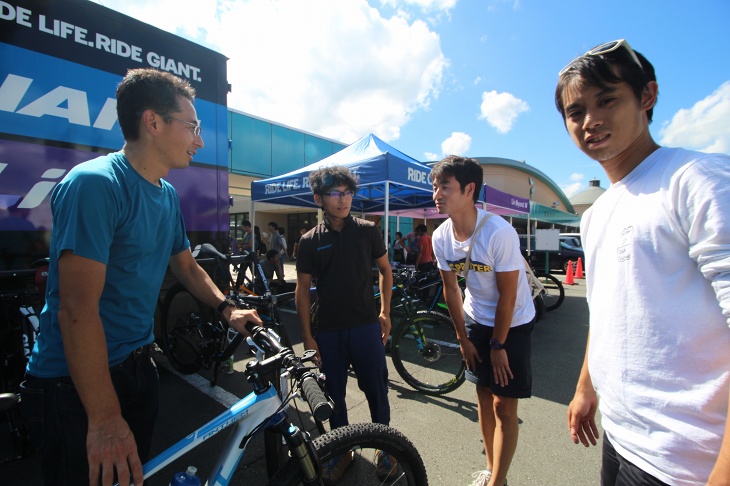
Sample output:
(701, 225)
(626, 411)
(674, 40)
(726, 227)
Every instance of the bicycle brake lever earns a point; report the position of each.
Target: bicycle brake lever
(253, 344)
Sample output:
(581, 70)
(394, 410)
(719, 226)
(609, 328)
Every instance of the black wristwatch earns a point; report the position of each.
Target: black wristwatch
(495, 345)
(222, 306)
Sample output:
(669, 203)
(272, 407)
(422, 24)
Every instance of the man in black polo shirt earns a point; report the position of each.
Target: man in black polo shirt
(340, 252)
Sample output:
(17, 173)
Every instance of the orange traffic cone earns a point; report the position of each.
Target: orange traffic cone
(579, 269)
(569, 275)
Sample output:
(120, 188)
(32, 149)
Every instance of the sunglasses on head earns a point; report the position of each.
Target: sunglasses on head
(605, 49)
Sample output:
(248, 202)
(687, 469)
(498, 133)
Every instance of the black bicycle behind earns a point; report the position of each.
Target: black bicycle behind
(21, 301)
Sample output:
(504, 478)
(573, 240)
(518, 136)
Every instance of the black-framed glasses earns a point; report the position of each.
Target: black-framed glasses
(339, 194)
(605, 49)
(197, 129)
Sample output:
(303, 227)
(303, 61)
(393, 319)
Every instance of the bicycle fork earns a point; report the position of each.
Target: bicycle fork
(301, 448)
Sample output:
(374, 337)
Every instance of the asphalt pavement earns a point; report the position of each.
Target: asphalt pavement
(444, 428)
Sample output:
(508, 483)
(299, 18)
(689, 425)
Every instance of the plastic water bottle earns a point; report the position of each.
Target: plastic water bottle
(187, 478)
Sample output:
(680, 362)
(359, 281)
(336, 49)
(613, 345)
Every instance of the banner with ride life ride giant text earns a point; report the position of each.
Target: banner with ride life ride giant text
(60, 64)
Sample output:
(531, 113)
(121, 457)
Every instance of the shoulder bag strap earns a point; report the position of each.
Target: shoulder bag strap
(467, 263)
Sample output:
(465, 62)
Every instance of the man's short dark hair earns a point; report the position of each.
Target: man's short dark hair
(463, 169)
(605, 69)
(274, 225)
(421, 228)
(148, 89)
(324, 179)
(246, 224)
(271, 254)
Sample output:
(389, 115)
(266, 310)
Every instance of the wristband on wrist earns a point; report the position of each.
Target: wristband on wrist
(495, 345)
(222, 306)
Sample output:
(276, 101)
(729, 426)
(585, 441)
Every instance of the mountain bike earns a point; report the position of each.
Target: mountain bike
(195, 336)
(423, 345)
(264, 408)
(19, 327)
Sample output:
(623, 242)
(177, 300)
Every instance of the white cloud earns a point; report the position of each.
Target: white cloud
(501, 109)
(571, 189)
(305, 64)
(477, 80)
(430, 156)
(574, 187)
(457, 144)
(704, 127)
(424, 5)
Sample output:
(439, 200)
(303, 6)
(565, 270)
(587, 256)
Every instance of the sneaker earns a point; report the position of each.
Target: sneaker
(334, 469)
(386, 467)
(481, 478)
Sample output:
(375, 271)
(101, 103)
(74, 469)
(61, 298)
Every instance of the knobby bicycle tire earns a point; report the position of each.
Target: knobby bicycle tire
(363, 440)
(436, 369)
(181, 334)
(554, 292)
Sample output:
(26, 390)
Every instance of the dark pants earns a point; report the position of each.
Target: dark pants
(57, 421)
(361, 347)
(617, 471)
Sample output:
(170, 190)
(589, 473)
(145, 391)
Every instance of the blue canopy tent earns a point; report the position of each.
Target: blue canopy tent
(490, 199)
(387, 180)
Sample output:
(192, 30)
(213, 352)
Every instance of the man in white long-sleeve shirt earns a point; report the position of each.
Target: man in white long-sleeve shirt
(657, 246)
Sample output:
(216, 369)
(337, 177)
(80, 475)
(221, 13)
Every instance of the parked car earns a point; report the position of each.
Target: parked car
(570, 250)
(573, 239)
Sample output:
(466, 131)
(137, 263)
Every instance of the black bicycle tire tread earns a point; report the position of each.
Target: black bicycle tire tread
(370, 435)
(433, 390)
(556, 284)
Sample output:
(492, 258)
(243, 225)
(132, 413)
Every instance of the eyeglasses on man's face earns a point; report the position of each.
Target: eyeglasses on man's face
(196, 128)
(339, 194)
(605, 49)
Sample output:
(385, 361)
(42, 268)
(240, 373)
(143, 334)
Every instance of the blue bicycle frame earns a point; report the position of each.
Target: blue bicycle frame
(247, 414)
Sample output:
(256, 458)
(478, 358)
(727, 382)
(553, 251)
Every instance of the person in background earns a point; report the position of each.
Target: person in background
(276, 241)
(339, 252)
(259, 244)
(272, 272)
(283, 255)
(247, 241)
(410, 242)
(657, 247)
(424, 257)
(399, 251)
(494, 322)
(91, 385)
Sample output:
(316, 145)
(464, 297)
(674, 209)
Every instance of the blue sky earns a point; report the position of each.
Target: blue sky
(471, 77)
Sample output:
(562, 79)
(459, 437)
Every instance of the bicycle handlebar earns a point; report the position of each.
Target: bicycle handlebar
(284, 357)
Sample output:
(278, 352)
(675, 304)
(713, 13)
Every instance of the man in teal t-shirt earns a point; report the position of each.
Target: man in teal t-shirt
(117, 224)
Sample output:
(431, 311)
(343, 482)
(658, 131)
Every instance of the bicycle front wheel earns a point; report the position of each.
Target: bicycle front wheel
(427, 355)
(554, 292)
(365, 442)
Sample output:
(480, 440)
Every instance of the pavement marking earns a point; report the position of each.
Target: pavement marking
(224, 397)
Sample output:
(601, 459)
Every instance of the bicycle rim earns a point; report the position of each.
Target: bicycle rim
(426, 354)
(362, 442)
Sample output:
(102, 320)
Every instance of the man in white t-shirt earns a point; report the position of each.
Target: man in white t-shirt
(494, 322)
(657, 247)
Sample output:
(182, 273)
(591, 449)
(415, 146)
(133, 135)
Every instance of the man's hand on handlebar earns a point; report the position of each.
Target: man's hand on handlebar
(238, 318)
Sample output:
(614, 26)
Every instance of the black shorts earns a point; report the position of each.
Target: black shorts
(519, 352)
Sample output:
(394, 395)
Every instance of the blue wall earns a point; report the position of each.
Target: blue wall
(263, 149)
